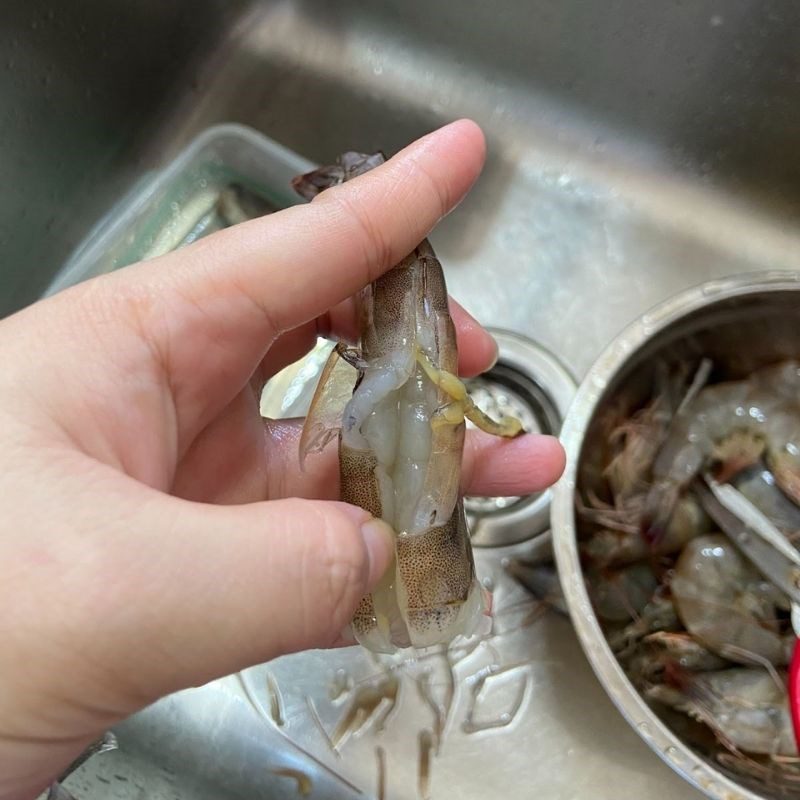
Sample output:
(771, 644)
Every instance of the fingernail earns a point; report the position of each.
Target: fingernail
(496, 352)
(379, 540)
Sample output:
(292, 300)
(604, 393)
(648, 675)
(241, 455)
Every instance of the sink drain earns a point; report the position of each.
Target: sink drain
(528, 383)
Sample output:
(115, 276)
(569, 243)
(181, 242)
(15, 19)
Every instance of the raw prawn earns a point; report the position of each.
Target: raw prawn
(637, 440)
(658, 614)
(611, 547)
(659, 651)
(748, 709)
(620, 595)
(401, 435)
(732, 423)
(725, 603)
(685, 650)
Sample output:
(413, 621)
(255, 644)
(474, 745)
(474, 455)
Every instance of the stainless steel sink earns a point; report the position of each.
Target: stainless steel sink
(634, 149)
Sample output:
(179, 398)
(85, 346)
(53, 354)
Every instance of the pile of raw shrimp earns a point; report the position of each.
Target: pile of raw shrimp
(703, 635)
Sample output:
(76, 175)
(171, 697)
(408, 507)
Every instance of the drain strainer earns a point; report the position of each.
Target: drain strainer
(528, 383)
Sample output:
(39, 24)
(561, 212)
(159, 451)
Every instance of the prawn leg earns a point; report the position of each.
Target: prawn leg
(462, 404)
(352, 355)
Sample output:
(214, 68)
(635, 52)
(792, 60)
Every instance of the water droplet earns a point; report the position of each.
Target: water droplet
(599, 381)
(377, 70)
(674, 755)
(644, 729)
(716, 20)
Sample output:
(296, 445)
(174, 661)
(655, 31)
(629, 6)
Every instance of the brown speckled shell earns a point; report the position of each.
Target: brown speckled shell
(357, 479)
(359, 487)
(437, 571)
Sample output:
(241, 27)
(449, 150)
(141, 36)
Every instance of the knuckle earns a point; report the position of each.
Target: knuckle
(376, 248)
(440, 191)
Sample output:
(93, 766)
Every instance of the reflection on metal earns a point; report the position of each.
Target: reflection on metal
(275, 701)
(441, 705)
(312, 710)
(541, 580)
(302, 781)
(424, 764)
(370, 706)
(254, 699)
(365, 706)
(380, 757)
(341, 684)
(478, 682)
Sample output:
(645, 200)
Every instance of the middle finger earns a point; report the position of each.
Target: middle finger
(491, 466)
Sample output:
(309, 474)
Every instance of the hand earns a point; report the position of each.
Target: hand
(144, 542)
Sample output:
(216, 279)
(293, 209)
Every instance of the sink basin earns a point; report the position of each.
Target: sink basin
(634, 150)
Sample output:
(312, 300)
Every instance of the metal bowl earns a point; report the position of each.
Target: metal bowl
(741, 323)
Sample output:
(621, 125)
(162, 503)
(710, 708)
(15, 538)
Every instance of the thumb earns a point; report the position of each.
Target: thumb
(145, 594)
(240, 585)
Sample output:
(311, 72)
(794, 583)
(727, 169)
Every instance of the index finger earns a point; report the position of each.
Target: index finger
(477, 349)
(222, 301)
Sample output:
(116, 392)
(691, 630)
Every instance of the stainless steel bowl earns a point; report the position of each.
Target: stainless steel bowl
(741, 323)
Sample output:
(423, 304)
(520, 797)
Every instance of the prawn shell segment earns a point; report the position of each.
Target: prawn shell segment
(324, 419)
(436, 584)
(377, 622)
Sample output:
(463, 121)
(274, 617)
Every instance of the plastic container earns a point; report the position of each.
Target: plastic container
(228, 173)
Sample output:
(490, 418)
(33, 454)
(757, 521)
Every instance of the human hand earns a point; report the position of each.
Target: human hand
(154, 534)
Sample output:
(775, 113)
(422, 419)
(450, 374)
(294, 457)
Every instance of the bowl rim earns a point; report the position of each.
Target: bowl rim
(591, 391)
